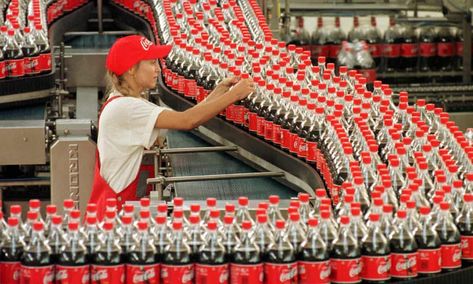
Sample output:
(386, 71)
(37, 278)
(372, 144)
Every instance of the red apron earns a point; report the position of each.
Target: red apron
(101, 190)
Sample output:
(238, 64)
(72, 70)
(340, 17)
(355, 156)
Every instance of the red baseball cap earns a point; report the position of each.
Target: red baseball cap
(129, 50)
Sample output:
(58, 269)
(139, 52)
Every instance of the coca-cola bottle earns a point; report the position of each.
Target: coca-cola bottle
(212, 263)
(294, 232)
(142, 265)
(30, 52)
(392, 47)
(450, 238)
(262, 234)
(56, 238)
(427, 49)
(445, 49)
(375, 253)
(92, 240)
(409, 49)
(243, 214)
(428, 241)
(313, 257)
(41, 41)
(36, 266)
(273, 211)
(246, 262)
(11, 250)
(196, 239)
(176, 265)
(127, 236)
(108, 263)
(345, 257)
(334, 39)
(14, 59)
(280, 264)
(319, 40)
(465, 225)
(356, 33)
(374, 41)
(72, 265)
(459, 44)
(403, 250)
(327, 230)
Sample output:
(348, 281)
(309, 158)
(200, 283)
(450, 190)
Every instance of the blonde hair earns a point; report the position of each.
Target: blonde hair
(116, 83)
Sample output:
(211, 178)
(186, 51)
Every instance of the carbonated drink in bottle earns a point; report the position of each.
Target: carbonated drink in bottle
(11, 249)
(177, 266)
(108, 263)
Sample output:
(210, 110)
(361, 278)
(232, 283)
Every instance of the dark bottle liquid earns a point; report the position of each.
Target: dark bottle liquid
(11, 250)
(195, 240)
(36, 259)
(375, 254)
(295, 128)
(392, 47)
(108, 262)
(313, 258)
(212, 264)
(313, 138)
(428, 241)
(31, 53)
(427, 49)
(450, 238)
(57, 238)
(177, 266)
(41, 41)
(281, 259)
(445, 49)
(287, 124)
(403, 250)
(14, 59)
(459, 44)
(142, 265)
(409, 49)
(127, 237)
(72, 262)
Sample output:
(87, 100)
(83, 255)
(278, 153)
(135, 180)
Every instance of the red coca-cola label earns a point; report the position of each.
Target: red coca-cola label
(246, 273)
(64, 274)
(190, 88)
(142, 274)
(404, 265)
(429, 261)
(10, 272)
(171, 274)
(311, 151)
(302, 152)
(467, 247)
(451, 256)
(268, 130)
(15, 67)
(376, 50)
(323, 50)
(277, 134)
(37, 274)
(200, 94)
(334, 50)
(409, 49)
(427, 49)
(345, 270)
(110, 273)
(229, 112)
(286, 138)
(246, 118)
(445, 49)
(260, 125)
(44, 62)
(459, 48)
(239, 114)
(294, 143)
(211, 274)
(376, 268)
(3, 69)
(180, 84)
(392, 50)
(280, 273)
(252, 122)
(369, 74)
(314, 272)
(27, 66)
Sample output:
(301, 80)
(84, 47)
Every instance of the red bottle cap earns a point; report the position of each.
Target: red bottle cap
(51, 209)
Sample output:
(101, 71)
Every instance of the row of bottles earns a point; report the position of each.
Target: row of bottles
(314, 244)
(24, 46)
(401, 48)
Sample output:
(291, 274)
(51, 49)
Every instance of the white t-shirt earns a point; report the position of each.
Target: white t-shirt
(126, 128)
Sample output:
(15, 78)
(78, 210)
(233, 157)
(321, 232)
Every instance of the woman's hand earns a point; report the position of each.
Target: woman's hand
(226, 84)
(243, 88)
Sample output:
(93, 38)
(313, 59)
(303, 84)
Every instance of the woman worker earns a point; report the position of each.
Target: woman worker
(128, 123)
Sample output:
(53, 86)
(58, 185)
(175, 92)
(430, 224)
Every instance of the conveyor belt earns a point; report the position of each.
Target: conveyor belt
(217, 163)
(32, 112)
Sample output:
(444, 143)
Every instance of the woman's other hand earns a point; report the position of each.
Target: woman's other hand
(243, 88)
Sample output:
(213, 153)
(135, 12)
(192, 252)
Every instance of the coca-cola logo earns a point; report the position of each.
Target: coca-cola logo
(457, 255)
(61, 275)
(11, 66)
(48, 278)
(355, 270)
(100, 275)
(164, 273)
(145, 43)
(86, 278)
(406, 264)
(303, 147)
(464, 244)
(384, 267)
(144, 276)
(325, 272)
(16, 275)
(223, 277)
(188, 276)
(288, 275)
